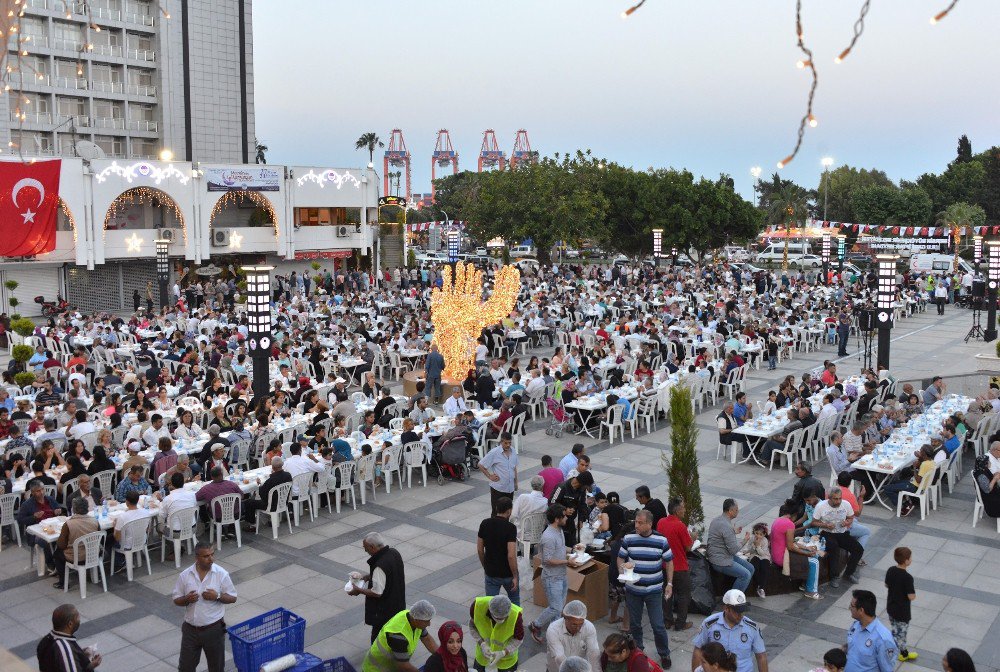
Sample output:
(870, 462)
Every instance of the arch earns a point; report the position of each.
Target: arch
(236, 197)
(68, 214)
(144, 196)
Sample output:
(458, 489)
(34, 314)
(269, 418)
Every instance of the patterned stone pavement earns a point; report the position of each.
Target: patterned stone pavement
(135, 625)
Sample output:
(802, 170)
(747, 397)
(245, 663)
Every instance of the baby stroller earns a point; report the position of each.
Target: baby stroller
(450, 461)
(561, 421)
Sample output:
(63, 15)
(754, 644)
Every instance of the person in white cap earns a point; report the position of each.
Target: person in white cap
(576, 664)
(572, 636)
(397, 640)
(733, 630)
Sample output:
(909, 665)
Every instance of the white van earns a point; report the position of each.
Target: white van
(522, 251)
(938, 264)
(775, 252)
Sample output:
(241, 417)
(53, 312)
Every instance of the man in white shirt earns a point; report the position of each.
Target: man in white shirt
(297, 464)
(80, 425)
(828, 408)
(530, 502)
(179, 498)
(131, 512)
(151, 437)
(455, 404)
(834, 517)
(572, 635)
(203, 589)
(535, 383)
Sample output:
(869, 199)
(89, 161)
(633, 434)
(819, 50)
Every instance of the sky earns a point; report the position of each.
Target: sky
(709, 86)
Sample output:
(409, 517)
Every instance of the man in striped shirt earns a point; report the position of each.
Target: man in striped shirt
(59, 651)
(648, 554)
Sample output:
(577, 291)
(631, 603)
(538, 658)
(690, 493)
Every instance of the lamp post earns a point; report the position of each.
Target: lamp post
(977, 251)
(673, 256)
(826, 257)
(841, 252)
(993, 280)
(259, 327)
(162, 268)
(453, 242)
(827, 162)
(657, 245)
(884, 299)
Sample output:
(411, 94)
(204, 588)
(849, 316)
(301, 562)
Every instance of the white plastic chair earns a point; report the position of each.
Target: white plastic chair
(276, 507)
(105, 481)
(646, 413)
(396, 423)
(137, 532)
(8, 515)
(185, 519)
(391, 467)
(613, 421)
(227, 504)
(922, 495)
(980, 509)
(530, 531)
(793, 446)
(303, 484)
(89, 547)
(344, 473)
(415, 457)
(366, 474)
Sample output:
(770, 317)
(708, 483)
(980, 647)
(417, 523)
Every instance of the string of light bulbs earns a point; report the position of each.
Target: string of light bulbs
(808, 62)
(144, 196)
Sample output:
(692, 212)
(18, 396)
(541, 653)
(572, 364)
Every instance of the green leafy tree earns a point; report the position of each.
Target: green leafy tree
(964, 154)
(988, 195)
(960, 183)
(875, 204)
(913, 207)
(841, 183)
(12, 300)
(959, 216)
(369, 141)
(681, 465)
(788, 208)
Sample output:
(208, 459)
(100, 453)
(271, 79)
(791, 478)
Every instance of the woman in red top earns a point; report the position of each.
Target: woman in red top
(620, 652)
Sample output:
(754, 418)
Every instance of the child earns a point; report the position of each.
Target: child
(834, 660)
(901, 593)
(772, 353)
(757, 550)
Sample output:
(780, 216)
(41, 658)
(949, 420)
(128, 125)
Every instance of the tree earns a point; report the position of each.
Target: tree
(874, 204)
(682, 466)
(989, 189)
(961, 182)
(841, 183)
(913, 207)
(369, 141)
(964, 150)
(958, 217)
(788, 207)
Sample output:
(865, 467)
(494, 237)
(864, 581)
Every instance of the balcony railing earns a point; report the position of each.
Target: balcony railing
(110, 87)
(67, 44)
(141, 55)
(141, 90)
(139, 19)
(37, 4)
(107, 50)
(105, 13)
(143, 125)
(32, 118)
(70, 82)
(77, 120)
(108, 122)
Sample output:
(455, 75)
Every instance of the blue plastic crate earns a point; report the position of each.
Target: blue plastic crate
(307, 662)
(265, 637)
(334, 665)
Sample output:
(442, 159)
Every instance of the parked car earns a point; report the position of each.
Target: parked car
(570, 253)
(519, 251)
(481, 252)
(775, 252)
(805, 261)
(527, 265)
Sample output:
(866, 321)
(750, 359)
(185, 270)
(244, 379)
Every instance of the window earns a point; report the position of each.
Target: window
(105, 73)
(140, 77)
(145, 149)
(112, 146)
(29, 142)
(108, 109)
(66, 143)
(320, 216)
(69, 32)
(67, 69)
(140, 42)
(71, 107)
(139, 112)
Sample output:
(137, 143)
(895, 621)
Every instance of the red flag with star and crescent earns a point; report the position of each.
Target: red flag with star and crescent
(29, 204)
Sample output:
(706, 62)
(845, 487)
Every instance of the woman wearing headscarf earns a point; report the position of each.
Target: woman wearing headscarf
(450, 656)
(987, 475)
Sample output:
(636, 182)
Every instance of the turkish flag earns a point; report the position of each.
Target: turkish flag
(29, 202)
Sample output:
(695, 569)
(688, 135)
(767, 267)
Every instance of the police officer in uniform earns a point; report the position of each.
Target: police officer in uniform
(737, 633)
(870, 646)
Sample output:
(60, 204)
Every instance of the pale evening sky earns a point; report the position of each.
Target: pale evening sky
(707, 85)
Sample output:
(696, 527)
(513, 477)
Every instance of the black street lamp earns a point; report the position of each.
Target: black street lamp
(826, 257)
(454, 237)
(163, 268)
(993, 280)
(657, 245)
(884, 300)
(259, 327)
(841, 252)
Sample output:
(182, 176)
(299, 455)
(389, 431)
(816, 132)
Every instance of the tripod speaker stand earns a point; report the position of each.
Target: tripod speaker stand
(978, 294)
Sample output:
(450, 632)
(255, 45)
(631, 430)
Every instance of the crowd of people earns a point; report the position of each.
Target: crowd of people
(127, 395)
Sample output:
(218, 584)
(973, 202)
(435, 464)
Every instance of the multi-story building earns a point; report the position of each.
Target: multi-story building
(121, 74)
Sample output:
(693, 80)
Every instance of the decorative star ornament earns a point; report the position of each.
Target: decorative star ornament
(134, 243)
(235, 240)
(29, 216)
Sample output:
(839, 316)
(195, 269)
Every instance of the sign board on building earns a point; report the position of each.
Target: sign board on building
(243, 178)
(907, 243)
(329, 254)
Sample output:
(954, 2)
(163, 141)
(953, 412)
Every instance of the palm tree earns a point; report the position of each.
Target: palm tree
(261, 150)
(788, 206)
(369, 141)
(957, 217)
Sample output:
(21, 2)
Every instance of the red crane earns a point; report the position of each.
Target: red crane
(522, 150)
(490, 155)
(397, 155)
(444, 154)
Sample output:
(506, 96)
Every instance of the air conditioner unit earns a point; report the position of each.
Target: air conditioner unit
(220, 238)
(167, 234)
(343, 232)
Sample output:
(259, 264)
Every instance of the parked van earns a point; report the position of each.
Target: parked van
(775, 252)
(938, 264)
(522, 251)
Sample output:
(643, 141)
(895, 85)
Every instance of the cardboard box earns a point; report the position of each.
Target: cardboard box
(587, 583)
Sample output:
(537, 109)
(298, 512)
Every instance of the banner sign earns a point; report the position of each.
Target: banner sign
(880, 243)
(246, 179)
(330, 254)
(29, 204)
(395, 201)
(416, 227)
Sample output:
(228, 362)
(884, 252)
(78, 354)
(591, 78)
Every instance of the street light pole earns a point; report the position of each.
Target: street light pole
(885, 297)
(259, 339)
(991, 285)
(163, 268)
(826, 257)
(657, 245)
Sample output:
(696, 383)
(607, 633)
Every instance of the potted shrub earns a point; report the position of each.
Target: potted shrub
(682, 465)
(21, 354)
(24, 378)
(13, 302)
(23, 327)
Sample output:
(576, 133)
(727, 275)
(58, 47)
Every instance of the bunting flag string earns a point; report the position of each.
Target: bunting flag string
(924, 231)
(419, 227)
